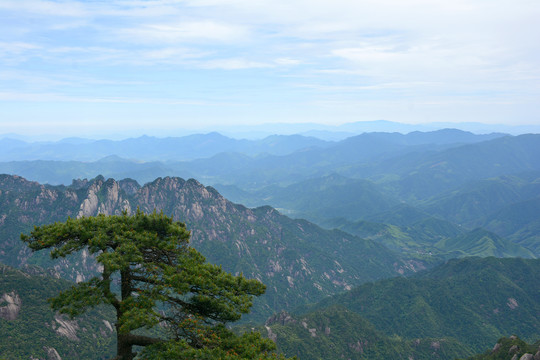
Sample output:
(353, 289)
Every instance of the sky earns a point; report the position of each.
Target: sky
(166, 66)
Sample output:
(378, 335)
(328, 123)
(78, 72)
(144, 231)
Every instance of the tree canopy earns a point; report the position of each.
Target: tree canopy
(151, 276)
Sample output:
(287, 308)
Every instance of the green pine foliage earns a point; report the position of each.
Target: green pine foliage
(218, 343)
(162, 282)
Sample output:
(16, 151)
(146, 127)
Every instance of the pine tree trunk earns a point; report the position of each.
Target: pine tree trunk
(124, 347)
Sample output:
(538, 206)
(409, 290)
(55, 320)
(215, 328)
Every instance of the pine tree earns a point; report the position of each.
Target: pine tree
(151, 276)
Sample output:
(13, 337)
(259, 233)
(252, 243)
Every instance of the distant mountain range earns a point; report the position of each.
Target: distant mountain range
(216, 159)
(467, 180)
(146, 148)
(322, 131)
(197, 146)
(339, 132)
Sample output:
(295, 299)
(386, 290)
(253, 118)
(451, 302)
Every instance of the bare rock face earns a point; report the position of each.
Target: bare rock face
(517, 351)
(282, 318)
(10, 305)
(90, 204)
(129, 186)
(103, 197)
(271, 335)
(108, 325)
(52, 354)
(67, 328)
(513, 349)
(358, 346)
(512, 303)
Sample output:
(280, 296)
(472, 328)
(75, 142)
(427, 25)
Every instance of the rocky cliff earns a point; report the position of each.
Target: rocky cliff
(298, 261)
(511, 348)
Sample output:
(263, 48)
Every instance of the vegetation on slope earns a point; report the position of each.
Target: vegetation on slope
(511, 348)
(31, 329)
(337, 333)
(472, 300)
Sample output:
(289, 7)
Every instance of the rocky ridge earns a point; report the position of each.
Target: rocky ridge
(511, 348)
(297, 260)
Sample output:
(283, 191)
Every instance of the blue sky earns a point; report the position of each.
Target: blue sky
(161, 67)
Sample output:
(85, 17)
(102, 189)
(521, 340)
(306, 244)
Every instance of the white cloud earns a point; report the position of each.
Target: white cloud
(435, 51)
(44, 7)
(287, 61)
(233, 64)
(17, 47)
(171, 54)
(14, 53)
(54, 97)
(188, 31)
(369, 54)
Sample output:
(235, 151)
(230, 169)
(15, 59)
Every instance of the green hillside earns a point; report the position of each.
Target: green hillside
(474, 201)
(400, 215)
(416, 240)
(437, 238)
(510, 348)
(519, 222)
(337, 333)
(326, 197)
(472, 300)
(30, 329)
(480, 242)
